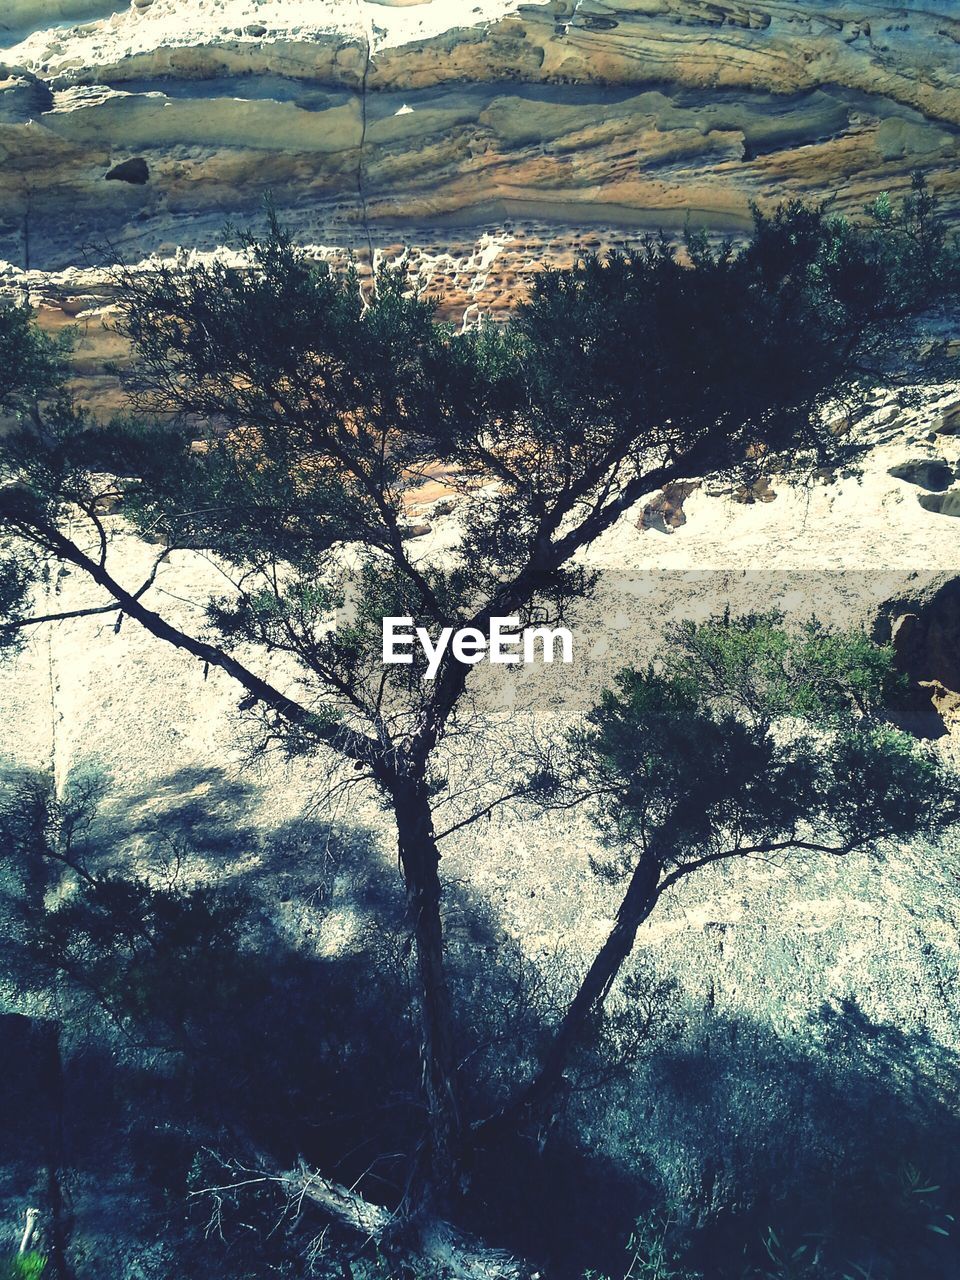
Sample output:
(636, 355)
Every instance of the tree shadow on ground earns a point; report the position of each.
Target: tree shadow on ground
(199, 810)
(841, 1139)
(302, 1044)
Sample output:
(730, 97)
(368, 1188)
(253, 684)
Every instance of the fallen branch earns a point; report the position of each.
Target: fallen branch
(438, 1248)
(29, 1231)
(434, 1248)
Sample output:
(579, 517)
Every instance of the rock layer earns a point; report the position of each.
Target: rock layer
(484, 142)
(372, 123)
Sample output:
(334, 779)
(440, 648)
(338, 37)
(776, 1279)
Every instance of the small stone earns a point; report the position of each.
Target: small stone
(759, 491)
(886, 416)
(416, 530)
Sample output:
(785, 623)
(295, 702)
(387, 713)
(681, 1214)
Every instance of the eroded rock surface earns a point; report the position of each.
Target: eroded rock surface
(926, 635)
(586, 121)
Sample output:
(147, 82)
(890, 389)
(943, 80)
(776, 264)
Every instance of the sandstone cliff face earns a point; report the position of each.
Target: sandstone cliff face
(373, 123)
(484, 140)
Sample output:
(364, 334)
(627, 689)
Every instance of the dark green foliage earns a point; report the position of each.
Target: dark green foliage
(320, 401)
(733, 354)
(761, 671)
(320, 411)
(32, 366)
(132, 947)
(745, 740)
(139, 949)
(15, 583)
(751, 738)
(652, 1252)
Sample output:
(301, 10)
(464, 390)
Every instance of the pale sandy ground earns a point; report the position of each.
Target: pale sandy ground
(860, 521)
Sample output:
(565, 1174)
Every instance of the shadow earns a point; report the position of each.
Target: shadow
(274, 1021)
(201, 811)
(841, 1138)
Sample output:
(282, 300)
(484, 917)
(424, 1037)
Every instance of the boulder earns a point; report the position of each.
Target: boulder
(759, 490)
(23, 97)
(665, 511)
(950, 420)
(925, 635)
(943, 504)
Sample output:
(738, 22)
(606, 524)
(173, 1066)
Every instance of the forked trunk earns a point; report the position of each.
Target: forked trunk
(420, 859)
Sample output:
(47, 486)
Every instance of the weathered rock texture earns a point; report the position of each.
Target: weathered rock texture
(564, 125)
(482, 141)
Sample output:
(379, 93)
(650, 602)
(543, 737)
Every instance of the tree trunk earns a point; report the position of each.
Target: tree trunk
(420, 860)
(638, 902)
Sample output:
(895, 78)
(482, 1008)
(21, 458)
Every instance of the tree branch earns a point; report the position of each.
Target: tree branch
(346, 741)
(93, 610)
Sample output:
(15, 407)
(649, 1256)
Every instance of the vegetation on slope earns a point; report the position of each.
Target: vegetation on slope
(279, 416)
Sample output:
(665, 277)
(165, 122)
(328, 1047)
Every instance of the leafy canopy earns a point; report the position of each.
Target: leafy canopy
(281, 415)
(750, 738)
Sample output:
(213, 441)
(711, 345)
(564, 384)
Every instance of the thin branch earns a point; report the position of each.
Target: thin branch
(482, 813)
(758, 850)
(93, 609)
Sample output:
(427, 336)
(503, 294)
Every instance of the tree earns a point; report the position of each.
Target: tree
(284, 422)
(747, 740)
(31, 369)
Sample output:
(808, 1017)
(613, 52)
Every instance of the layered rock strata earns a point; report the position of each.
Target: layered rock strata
(370, 123)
